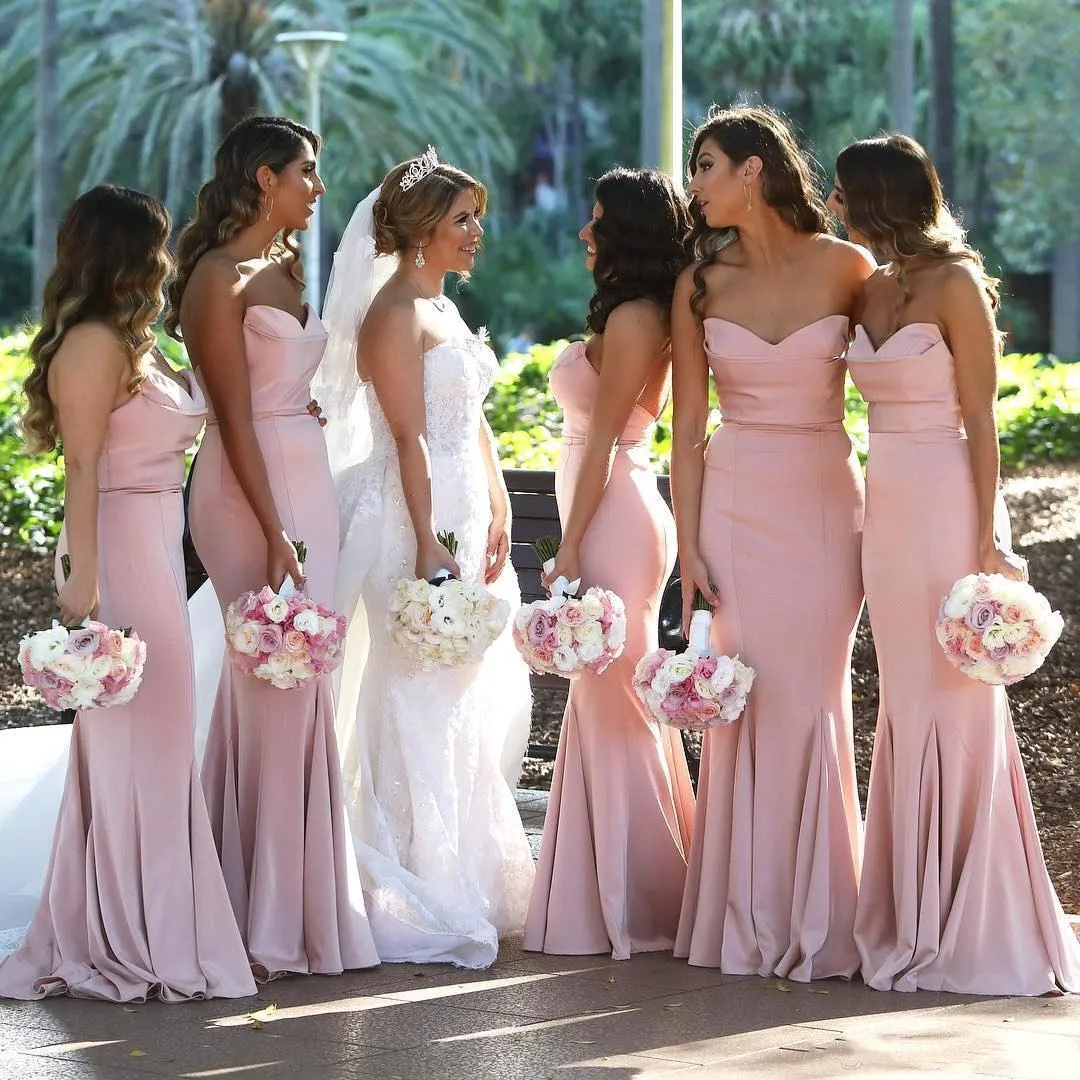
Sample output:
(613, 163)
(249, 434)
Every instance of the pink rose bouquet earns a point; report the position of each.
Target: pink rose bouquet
(695, 689)
(85, 667)
(284, 637)
(82, 667)
(445, 622)
(996, 630)
(566, 635)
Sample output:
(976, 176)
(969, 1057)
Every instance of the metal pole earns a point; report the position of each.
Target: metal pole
(652, 77)
(902, 103)
(671, 152)
(313, 239)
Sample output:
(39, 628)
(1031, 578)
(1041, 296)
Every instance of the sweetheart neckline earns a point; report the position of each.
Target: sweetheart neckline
(785, 339)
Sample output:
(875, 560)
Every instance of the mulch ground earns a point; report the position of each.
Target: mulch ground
(1045, 509)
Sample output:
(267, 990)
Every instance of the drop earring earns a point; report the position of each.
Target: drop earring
(269, 206)
(419, 255)
(749, 196)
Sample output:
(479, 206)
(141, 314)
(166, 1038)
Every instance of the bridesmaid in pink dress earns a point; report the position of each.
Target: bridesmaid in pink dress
(271, 772)
(769, 518)
(134, 904)
(955, 893)
(617, 832)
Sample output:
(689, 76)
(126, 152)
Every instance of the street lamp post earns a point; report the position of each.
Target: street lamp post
(312, 50)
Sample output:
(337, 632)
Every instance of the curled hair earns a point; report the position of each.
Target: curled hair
(231, 199)
(404, 218)
(893, 197)
(639, 238)
(788, 183)
(112, 260)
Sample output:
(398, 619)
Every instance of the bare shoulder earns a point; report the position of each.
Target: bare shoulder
(393, 314)
(215, 274)
(91, 340)
(640, 317)
(685, 285)
(844, 256)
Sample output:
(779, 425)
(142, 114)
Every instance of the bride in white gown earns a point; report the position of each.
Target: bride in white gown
(427, 757)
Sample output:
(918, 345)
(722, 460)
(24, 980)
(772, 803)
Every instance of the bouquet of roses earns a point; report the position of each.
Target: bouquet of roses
(283, 637)
(695, 689)
(82, 667)
(445, 622)
(566, 635)
(996, 630)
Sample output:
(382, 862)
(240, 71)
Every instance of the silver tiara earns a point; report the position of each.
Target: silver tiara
(423, 166)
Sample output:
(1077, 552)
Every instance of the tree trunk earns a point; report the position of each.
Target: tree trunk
(943, 84)
(46, 153)
(902, 101)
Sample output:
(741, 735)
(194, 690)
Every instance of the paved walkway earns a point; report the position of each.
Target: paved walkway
(529, 1016)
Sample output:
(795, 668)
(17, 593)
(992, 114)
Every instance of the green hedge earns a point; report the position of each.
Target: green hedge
(1038, 412)
(1038, 419)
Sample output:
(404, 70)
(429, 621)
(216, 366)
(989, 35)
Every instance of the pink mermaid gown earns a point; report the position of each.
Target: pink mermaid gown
(955, 893)
(613, 854)
(271, 771)
(774, 866)
(134, 905)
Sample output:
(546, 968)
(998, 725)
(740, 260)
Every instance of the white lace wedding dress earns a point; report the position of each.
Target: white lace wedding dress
(445, 863)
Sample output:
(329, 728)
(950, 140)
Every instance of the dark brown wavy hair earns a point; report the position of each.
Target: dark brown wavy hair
(788, 182)
(404, 218)
(640, 241)
(112, 260)
(231, 199)
(892, 196)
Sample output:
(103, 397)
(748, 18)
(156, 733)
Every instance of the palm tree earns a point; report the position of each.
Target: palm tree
(147, 88)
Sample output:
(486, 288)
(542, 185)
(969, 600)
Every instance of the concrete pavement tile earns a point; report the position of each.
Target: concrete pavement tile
(550, 997)
(1060, 1014)
(25, 1067)
(378, 1024)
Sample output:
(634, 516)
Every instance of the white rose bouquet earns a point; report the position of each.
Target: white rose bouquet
(445, 622)
(695, 689)
(82, 667)
(996, 630)
(283, 637)
(566, 635)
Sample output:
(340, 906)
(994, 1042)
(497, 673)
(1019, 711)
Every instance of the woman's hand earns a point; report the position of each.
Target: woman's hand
(78, 598)
(567, 565)
(315, 409)
(431, 557)
(997, 560)
(498, 550)
(695, 577)
(281, 560)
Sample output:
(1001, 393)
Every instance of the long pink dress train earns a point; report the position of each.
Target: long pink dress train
(613, 854)
(774, 865)
(955, 894)
(271, 772)
(134, 905)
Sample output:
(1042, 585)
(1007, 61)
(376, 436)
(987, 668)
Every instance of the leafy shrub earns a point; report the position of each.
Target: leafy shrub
(1038, 412)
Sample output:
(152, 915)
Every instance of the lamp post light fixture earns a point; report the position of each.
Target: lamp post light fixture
(312, 50)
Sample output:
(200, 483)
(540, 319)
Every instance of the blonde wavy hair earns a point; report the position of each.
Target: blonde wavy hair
(231, 199)
(788, 182)
(892, 195)
(112, 261)
(404, 218)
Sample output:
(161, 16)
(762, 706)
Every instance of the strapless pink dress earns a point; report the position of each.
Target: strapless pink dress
(955, 893)
(774, 866)
(134, 904)
(617, 832)
(271, 771)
